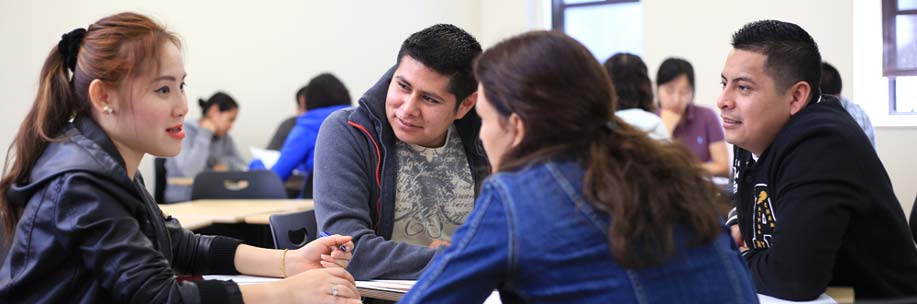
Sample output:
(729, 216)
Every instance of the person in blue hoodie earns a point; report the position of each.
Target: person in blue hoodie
(324, 95)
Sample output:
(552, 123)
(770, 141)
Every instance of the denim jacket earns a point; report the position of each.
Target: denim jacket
(533, 237)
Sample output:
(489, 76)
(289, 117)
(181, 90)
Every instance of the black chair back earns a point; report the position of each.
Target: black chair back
(293, 230)
(259, 184)
(914, 219)
(307, 186)
(159, 188)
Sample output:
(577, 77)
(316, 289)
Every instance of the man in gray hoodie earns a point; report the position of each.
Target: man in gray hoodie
(400, 172)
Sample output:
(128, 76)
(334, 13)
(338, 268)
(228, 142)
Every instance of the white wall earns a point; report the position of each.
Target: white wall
(701, 30)
(262, 53)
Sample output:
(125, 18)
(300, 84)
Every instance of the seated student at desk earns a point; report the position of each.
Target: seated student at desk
(324, 95)
(571, 214)
(208, 145)
(634, 93)
(283, 130)
(697, 127)
(815, 206)
(400, 172)
(84, 228)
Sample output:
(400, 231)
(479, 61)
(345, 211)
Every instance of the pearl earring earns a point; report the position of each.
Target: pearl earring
(107, 110)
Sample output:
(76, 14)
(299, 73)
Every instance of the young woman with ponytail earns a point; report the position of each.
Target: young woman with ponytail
(582, 208)
(79, 223)
(207, 145)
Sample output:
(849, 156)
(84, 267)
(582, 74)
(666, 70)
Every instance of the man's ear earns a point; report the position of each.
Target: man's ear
(466, 105)
(517, 129)
(100, 95)
(799, 94)
(302, 102)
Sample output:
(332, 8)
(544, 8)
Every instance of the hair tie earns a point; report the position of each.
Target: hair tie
(69, 47)
(611, 126)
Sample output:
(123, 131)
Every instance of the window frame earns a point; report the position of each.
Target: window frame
(890, 12)
(559, 7)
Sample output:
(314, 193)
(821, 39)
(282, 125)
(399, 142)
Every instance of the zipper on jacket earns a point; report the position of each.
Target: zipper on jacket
(378, 173)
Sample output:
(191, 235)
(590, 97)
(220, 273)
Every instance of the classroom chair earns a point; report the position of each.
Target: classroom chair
(258, 184)
(293, 230)
(307, 186)
(914, 219)
(159, 187)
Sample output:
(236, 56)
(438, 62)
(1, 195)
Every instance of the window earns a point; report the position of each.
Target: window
(899, 62)
(604, 27)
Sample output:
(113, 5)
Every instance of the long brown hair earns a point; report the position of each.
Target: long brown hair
(567, 103)
(115, 49)
(631, 82)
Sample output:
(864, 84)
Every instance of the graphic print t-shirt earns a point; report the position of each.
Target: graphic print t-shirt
(434, 191)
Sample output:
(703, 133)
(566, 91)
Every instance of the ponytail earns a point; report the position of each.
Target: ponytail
(51, 111)
(204, 106)
(652, 188)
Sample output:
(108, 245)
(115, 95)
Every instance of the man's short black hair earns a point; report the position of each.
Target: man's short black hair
(449, 51)
(830, 80)
(792, 54)
(326, 90)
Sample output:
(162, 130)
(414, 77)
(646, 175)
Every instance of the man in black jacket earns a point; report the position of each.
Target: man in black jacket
(815, 206)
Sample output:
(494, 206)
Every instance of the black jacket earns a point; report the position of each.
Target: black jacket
(88, 234)
(817, 209)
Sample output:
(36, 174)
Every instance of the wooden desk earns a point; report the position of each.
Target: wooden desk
(180, 181)
(231, 211)
(294, 182)
(841, 294)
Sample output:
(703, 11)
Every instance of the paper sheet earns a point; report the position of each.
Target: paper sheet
(268, 157)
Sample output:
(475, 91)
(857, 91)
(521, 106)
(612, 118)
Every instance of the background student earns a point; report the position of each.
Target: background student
(207, 146)
(283, 130)
(634, 94)
(324, 94)
(695, 126)
(832, 84)
(573, 213)
(83, 227)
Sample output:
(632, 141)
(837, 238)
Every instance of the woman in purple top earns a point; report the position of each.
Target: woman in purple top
(695, 126)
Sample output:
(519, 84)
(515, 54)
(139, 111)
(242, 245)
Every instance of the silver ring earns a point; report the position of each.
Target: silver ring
(334, 290)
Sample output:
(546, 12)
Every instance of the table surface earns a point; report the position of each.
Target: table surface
(196, 214)
(839, 294)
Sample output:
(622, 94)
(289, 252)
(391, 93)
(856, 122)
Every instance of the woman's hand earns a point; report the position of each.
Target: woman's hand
(329, 285)
(215, 122)
(328, 252)
(208, 124)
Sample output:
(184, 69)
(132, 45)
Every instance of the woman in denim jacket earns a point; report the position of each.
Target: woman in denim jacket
(582, 207)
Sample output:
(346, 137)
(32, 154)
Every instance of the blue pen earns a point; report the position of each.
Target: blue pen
(324, 234)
